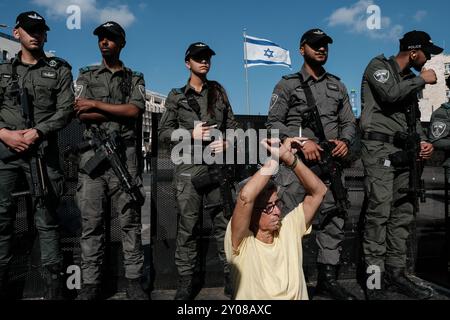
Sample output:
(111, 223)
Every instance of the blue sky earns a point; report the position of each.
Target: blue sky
(159, 32)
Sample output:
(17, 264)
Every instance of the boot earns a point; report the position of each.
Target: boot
(228, 285)
(377, 293)
(398, 281)
(327, 284)
(135, 291)
(89, 292)
(53, 278)
(184, 288)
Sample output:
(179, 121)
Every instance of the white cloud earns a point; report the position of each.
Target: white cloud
(90, 10)
(420, 15)
(354, 18)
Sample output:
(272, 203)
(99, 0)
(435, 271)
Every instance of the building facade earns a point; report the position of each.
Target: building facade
(432, 97)
(155, 104)
(9, 47)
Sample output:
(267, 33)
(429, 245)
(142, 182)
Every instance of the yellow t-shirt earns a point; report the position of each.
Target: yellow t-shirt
(274, 271)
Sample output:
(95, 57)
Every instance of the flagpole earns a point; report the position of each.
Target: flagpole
(246, 71)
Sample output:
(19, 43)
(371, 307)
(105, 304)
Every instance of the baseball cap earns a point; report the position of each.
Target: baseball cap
(313, 36)
(196, 48)
(110, 27)
(419, 40)
(31, 20)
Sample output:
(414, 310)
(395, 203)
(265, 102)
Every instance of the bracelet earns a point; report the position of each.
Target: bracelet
(294, 164)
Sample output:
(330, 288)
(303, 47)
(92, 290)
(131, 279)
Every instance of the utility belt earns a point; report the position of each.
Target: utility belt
(407, 142)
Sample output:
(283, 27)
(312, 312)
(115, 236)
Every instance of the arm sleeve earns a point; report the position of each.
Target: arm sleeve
(390, 91)
(278, 111)
(347, 122)
(169, 120)
(64, 105)
(137, 96)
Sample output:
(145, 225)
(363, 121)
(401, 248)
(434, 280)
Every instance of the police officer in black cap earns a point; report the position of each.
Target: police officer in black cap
(286, 114)
(198, 107)
(49, 84)
(110, 96)
(389, 90)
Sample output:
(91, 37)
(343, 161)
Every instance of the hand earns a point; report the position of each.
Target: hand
(429, 76)
(311, 150)
(31, 136)
(219, 146)
(84, 105)
(341, 149)
(426, 150)
(295, 144)
(278, 150)
(15, 140)
(202, 132)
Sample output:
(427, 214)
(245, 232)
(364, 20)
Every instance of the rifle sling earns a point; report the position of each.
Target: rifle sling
(311, 101)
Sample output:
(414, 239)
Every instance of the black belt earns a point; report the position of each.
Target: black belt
(377, 136)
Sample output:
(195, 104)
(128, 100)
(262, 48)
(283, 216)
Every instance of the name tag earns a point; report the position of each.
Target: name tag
(6, 76)
(48, 74)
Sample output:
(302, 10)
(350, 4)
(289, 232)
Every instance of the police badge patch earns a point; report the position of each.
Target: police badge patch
(273, 101)
(381, 76)
(438, 129)
(78, 90)
(142, 91)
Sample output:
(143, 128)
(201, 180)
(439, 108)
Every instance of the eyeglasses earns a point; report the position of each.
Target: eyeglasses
(269, 208)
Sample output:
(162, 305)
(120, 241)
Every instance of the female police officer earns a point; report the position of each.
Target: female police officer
(199, 107)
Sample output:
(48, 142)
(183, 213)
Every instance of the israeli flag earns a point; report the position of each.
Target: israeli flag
(262, 52)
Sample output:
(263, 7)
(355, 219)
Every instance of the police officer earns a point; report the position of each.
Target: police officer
(50, 89)
(198, 107)
(389, 87)
(111, 97)
(439, 133)
(289, 101)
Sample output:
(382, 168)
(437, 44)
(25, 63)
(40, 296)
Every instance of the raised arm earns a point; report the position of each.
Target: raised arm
(242, 214)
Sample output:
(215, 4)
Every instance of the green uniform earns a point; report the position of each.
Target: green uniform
(338, 122)
(121, 87)
(50, 86)
(440, 133)
(180, 115)
(386, 93)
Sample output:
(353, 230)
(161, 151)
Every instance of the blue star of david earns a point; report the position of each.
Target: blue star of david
(268, 53)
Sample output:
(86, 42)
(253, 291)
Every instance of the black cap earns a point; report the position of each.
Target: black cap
(31, 20)
(110, 27)
(196, 48)
(314, 36)
(419, 40)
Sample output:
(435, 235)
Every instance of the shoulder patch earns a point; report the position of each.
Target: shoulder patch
(382, 76)
(138, 74)
(438, 128)
(290, 76)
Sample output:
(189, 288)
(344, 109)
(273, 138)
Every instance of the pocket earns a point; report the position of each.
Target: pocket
(100, 93)
(44, 95)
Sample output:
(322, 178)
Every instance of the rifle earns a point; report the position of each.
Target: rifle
(38, 168)
(327, 168)
(221, 176)
(408, 157)
(107, 152)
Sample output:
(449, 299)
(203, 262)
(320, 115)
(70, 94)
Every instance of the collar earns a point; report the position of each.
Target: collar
(104, 68)
(407, 73)
(190, 88)
(18, 60)
(307, 77)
